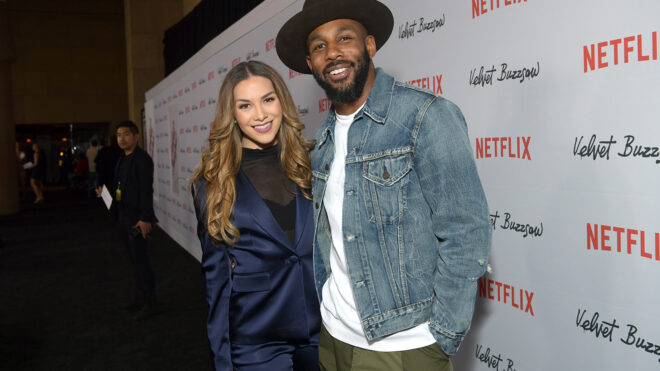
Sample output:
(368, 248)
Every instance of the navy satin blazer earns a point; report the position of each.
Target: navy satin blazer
(269, 295)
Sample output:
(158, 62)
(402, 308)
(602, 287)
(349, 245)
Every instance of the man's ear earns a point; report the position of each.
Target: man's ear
(309, 62)
(370, 44)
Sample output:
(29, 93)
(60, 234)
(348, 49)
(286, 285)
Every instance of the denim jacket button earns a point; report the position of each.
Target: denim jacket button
(316, 205)
(327, 167)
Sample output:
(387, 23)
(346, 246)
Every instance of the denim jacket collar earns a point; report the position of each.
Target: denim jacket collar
(377, 105)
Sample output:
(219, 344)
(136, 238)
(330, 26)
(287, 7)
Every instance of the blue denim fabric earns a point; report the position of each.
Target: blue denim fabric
(415, 218)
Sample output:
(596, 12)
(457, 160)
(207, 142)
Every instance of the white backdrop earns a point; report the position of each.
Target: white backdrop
(562, 101)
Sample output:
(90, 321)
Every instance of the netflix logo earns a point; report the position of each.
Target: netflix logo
(270, 45)
(627, 49)
(293, 74)
(504, 147)
(481, 7)
(235, 61)
(433, 83)
(210, 76)
(520, 299)
(612, 239)
(194, 85)
(324, 105)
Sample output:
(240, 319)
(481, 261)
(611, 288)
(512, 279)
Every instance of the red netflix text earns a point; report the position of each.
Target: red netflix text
(481, 7)
(324, 104)
(623, 240)
(629, 49)
(433, 83)
(235, 61)
(507, 294)
(510, 147)
(270, 45)
(293, 74)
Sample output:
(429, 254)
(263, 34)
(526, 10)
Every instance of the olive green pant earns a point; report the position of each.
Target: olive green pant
(335, 355)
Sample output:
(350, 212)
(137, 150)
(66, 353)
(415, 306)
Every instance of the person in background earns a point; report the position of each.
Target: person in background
(132, 191)
(21, 158)
(37, 172)
(106, 161)
(92, 179)
(402, 225)
(253, 206)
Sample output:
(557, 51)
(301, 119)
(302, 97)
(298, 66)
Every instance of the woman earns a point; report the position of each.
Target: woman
(37, 173)
(255, 226)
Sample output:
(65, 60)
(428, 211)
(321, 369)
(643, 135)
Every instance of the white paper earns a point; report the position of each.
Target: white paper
(105, 195)
(27, 164)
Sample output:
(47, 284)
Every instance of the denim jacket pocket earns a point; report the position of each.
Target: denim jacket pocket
(385, 179)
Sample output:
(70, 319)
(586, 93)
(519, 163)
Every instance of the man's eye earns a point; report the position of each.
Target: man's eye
(318, 47)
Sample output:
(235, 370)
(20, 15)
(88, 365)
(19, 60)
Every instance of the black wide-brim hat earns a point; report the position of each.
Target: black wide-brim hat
(291, 43)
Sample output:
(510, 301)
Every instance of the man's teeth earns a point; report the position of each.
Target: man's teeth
(337, 72)
(261, 127)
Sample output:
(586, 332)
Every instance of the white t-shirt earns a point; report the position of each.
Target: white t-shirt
(338, 309)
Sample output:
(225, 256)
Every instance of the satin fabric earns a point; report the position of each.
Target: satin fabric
(268, 297)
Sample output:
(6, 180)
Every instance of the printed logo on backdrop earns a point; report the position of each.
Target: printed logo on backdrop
(628, 147)
(629, 49)
(235, 61)
(493, 360)
(270, 45)
(504, 72)
(508, 223)
(621, 240)
(324, 105)
(504, 147)
(627, 335)
(506, 294)
(420, 25)
(223, 69)
(432, 83)
(481, 7)
(252, 54)
(302, 111)
(293, 74)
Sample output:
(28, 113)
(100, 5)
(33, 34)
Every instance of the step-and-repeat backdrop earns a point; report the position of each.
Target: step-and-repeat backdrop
(562, 101)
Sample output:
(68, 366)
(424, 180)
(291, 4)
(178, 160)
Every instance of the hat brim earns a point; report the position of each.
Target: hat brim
(291, 42)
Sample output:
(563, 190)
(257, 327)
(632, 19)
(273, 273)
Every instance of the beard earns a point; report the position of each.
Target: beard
(354, 89)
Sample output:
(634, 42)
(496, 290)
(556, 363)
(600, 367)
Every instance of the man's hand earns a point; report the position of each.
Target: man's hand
(98, 191)
(145, 228)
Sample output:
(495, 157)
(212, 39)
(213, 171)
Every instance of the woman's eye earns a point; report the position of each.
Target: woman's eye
(242, 106)
(269, 99)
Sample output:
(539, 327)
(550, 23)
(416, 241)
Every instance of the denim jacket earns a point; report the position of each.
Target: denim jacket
(415, 218)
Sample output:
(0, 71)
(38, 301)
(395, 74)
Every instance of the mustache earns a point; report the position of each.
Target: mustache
(331, 65)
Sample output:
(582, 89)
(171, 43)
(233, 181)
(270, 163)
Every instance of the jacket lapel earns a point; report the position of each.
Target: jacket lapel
(249, 202)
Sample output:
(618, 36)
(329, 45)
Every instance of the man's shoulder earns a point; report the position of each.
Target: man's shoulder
(405, 94)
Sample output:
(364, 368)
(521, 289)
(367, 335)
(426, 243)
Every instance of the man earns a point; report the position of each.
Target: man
(132, 190)
(402, 229)
(92, 151)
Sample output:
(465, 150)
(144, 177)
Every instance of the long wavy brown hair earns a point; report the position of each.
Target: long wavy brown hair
(220, 164)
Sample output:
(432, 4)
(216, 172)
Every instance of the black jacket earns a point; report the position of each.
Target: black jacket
(136, 184)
